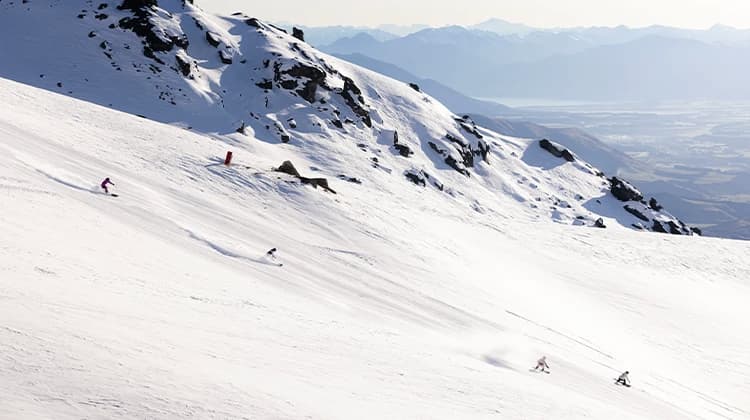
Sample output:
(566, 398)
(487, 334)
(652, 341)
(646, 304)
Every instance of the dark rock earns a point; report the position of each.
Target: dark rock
(315, 77)
(137, 4)
(102, 6)
(463, 148)
(658, 227)
(289, 84)
(349, 92)
(225, 57)
(696, 231)
(350, 179)
(623, 191)
(255, 23)
(415, 87)
(265, 84)
(556, 150)
(600, 223)
(472, 130)
(140, 23)
(654, 205)
(213, 39)
(92, 34)
(317, 182)
(298, 33)
(288, 168)
(278, 28)
(415, 178)
(183, 65)
(636, 213)
(674, 228)
(483, 151)
(241, 128)
(403, 150)
(337, 123)
(448, 159)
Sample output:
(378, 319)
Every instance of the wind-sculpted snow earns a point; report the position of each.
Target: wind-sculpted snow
(171, 62)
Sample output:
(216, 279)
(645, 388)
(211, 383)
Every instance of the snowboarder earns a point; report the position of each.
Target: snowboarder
(105, 183)
(542, 364)
(271, 253)
(623, 379)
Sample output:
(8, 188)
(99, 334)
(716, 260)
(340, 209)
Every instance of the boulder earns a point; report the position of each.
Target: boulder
(213, 39)
(298, 33)
(623, 191)
(556, 150)
(288, 168)
(225, 57)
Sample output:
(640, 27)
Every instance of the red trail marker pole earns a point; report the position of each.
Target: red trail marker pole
(228, 159)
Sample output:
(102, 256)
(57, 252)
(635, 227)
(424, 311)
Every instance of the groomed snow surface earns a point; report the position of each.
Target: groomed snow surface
(393, 303)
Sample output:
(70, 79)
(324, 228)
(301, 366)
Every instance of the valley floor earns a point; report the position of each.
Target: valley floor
(159, 303)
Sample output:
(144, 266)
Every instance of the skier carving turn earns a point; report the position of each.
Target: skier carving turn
(105, 183)
(623, 379)
(542, 364)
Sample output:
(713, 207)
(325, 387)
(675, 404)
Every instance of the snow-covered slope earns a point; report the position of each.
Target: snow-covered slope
(393, 302)
(173, 63)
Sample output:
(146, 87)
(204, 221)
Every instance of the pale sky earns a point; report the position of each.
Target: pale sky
(540, 13)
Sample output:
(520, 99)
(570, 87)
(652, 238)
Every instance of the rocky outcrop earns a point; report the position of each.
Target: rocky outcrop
(624, 191)
(309, 77)
(298, 33)
(183, 64)
(636, 213)
(354, 99)
(422, 178)
(402, 149)
(155, 37)
(449, 159)
(557, 150)
(288, 168)
(658, 227)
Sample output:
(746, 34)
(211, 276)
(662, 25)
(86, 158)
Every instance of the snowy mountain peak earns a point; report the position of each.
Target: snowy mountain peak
(248, 80)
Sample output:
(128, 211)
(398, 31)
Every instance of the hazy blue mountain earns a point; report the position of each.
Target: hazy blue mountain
(458, 57)
(650, 68)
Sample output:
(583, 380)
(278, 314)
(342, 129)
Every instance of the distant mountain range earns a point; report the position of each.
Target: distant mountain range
(501, 59)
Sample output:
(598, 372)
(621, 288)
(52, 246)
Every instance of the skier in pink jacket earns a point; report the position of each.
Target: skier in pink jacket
(105, 183)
